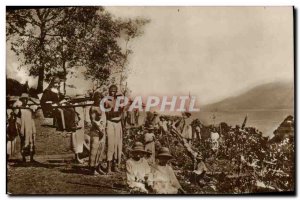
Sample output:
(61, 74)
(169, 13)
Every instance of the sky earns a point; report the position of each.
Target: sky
(209, 52)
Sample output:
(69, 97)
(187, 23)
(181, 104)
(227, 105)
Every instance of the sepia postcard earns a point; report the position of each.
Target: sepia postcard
(150, 100)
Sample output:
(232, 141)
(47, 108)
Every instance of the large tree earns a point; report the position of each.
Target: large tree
(50, 41)
(28, 29)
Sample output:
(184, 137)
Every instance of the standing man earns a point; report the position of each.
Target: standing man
(114, 131)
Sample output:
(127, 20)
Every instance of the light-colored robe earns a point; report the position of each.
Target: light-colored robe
(164, 180)
(78, 138)
(28, 129)
(136, 171)
(214, 136)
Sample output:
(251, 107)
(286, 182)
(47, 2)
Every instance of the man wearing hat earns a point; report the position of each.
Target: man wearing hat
(149, 139)
(138, 170)
(164, 179)
(27, 130)
(114, 131)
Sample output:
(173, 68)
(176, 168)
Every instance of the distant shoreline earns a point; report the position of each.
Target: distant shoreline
(249, 110)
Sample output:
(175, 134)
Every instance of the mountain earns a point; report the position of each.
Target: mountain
(270, 96)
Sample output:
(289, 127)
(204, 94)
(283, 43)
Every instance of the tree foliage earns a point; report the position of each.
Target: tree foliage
(51, 41)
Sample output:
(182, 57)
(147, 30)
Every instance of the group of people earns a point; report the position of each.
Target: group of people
(147, 167)
(147, 177)
(103, 141)
(104, 138)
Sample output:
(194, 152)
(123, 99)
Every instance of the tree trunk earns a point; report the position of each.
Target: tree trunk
(190, 152)
(42, 66)
(65, 76)
(40, 79)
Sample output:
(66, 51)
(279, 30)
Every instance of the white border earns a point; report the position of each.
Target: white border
(114, 3)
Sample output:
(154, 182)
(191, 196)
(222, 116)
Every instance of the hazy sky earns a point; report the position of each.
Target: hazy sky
(211, 52)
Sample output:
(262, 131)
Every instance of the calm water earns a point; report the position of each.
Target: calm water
(265, 120)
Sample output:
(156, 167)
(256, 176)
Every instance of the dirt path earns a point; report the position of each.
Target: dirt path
(57, 175)
(54, 172)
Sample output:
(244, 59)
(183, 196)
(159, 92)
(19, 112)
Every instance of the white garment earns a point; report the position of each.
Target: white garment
(136, 171)
(214, 136)
(11, 147)
(187, 132)
(164, 180)
(164, 125)
(79, 139)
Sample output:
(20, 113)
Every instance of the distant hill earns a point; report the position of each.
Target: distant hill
(270, 96)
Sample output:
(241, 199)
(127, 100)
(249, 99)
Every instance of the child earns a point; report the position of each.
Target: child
(149, 139)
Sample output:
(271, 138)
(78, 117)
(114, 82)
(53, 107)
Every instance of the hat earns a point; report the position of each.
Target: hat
(188, 114)
(164, 152)
(150, 127)
(24, 96)
(138, 147)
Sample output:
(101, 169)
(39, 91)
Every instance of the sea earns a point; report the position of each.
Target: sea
(265, 121)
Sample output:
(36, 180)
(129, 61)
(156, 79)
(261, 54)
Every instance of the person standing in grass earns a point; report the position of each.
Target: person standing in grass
(97, 135)
(114, 131)
(149, 139)
(27, 127)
